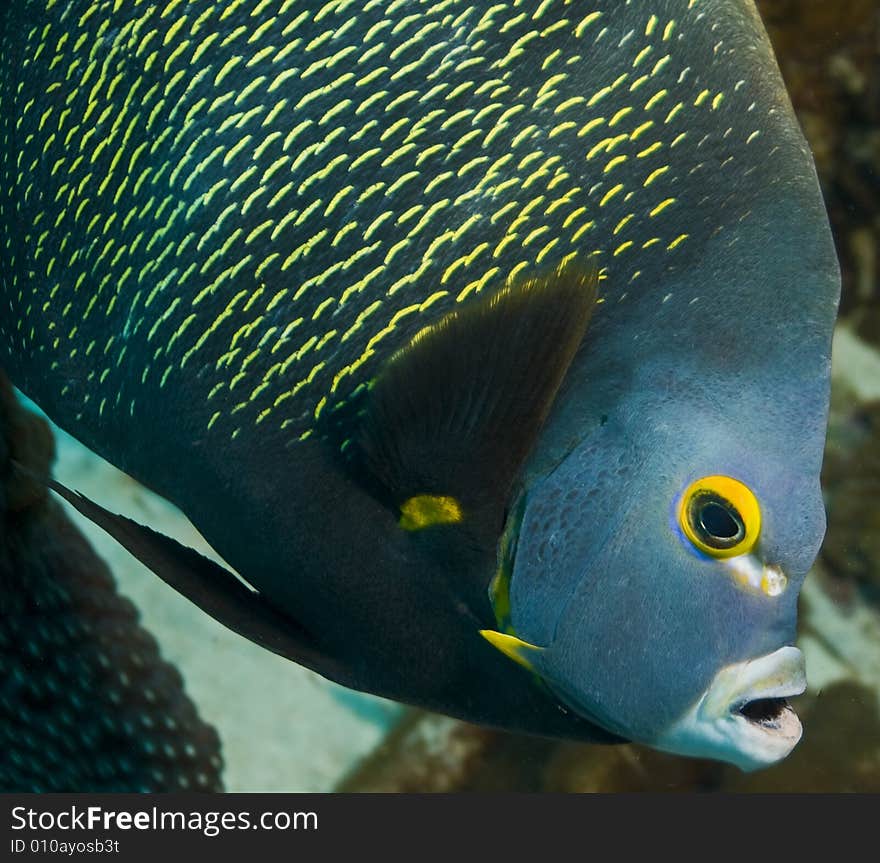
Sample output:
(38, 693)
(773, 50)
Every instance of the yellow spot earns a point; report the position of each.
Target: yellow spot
(623, 223)
(617, 160)
(582, 230)
(639, 82)
(640, 130)
(674, 112)
(426, 510)
(579, 30)
(661, 64)
(595, 122)
(642, 54)
(648, 150)
(661, 207)
(619, 116)
(562, 127)
(657, 97)
(655, 174)
(568, 103)
(611, 193)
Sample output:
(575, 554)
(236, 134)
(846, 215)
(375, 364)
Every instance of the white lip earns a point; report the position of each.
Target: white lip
(717, 726)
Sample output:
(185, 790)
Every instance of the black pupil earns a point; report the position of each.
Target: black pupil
(717, 521)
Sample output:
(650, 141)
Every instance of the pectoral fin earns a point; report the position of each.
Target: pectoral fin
(215, 590)
(454, 414)
(512, 647)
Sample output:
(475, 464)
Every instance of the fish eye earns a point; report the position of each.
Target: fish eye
(720, 516)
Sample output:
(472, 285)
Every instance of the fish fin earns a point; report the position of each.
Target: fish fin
(211, 587)
(452, 416)
(512, 647)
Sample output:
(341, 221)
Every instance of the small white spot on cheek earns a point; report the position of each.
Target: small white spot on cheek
(774, 581)
(754, 575)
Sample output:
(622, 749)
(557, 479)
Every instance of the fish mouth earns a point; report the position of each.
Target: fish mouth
(773, 713)
(744, 717)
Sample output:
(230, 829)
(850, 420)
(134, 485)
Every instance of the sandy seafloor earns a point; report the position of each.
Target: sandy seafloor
(284, 728)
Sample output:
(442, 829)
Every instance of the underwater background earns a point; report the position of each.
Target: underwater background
(153, 694)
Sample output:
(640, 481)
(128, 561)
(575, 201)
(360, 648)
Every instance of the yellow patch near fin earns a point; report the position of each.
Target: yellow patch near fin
(444, 444)
(499, 588)
(512, 647)
(425, 510)
(499, 594)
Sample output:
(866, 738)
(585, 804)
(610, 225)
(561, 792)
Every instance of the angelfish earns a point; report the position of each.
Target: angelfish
(488, 344)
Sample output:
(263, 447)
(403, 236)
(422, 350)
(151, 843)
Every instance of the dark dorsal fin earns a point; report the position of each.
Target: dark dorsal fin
(453, 415)
(215, 590)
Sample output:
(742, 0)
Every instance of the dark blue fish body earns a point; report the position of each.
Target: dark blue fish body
(318, 272)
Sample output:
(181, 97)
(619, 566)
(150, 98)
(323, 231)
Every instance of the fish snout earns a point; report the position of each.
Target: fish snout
(744, 716)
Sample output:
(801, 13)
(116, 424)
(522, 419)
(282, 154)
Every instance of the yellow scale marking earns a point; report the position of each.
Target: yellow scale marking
(373, 182)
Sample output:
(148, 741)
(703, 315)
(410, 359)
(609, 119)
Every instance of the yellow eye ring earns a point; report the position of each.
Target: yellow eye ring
(720, 516)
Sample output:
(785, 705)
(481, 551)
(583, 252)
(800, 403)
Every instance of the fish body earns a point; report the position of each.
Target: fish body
(237, 237)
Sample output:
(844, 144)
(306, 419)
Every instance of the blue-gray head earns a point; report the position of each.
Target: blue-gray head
(673, 507)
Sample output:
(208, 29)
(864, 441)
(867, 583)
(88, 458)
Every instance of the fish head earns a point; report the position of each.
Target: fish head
(658, 566)
(658, 552)
(673, 506)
